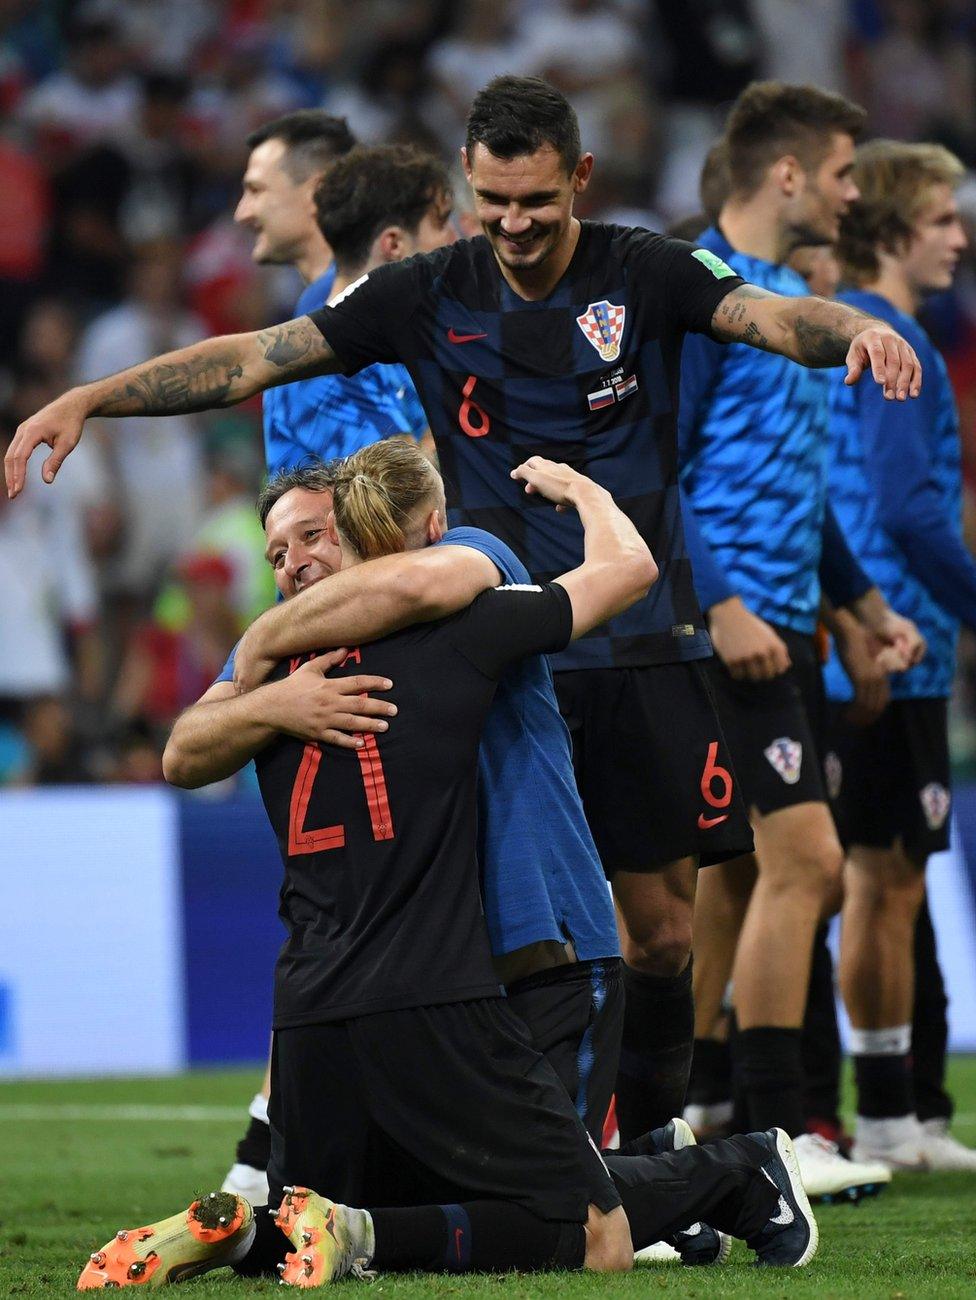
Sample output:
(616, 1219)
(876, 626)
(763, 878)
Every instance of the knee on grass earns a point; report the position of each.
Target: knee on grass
(609, 1248)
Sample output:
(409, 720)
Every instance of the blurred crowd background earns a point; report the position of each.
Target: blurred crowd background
(121, 156)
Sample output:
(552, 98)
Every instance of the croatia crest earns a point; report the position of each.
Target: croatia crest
(603, 326)
(935, 801)
(786, 757)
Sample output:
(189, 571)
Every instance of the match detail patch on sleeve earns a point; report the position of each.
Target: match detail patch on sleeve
(721, 270)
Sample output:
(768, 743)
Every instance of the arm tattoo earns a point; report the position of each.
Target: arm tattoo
(819, 344)
(734, 322)
(285, 344)
(162, 388)
(219, 372)
(808, 330)
(297, 350)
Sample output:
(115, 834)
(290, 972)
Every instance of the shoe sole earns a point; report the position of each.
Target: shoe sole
(176, 1248)
(786, 1153)
(849, 1195)
(308, 1221)
(684, 1134)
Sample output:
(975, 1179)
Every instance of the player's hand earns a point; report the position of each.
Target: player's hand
(867, 664)
(59, 425)
(890, 359)
(251, 665)
(311, 706)
(746, 644)
(903, 642)
(553, 480)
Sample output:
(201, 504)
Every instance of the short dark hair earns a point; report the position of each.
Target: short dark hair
(372, 187)
(320, 477)
(312, 139)
(518, 115)
(773, 118)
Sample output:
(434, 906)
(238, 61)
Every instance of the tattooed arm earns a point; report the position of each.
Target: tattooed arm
(819, 333)
(216, 372)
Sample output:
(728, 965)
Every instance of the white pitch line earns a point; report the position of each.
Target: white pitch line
(165, 1114)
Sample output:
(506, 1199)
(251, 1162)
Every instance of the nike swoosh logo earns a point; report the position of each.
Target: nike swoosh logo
(454, 337)
(706, 823)
(785, 1216)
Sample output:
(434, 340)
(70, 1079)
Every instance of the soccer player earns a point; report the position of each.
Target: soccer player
(399, 1073)
(550, 920)
(753, 434)
(896, 483)
(383, 204)
(553, 334)
(404, 209)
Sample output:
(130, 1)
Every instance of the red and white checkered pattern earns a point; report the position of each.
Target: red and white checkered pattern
(603, 329)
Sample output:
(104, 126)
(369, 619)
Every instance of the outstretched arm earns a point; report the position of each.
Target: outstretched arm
(217, 372)
(818, 333)
(362, 604)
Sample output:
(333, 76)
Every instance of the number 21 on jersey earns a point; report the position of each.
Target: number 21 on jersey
(303, 840)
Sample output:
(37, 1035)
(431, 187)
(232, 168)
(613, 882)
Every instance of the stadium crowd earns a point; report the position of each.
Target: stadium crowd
(123, 147)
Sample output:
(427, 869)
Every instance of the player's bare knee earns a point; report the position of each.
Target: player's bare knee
(812, 869)
(663, 952)
(609, 1247)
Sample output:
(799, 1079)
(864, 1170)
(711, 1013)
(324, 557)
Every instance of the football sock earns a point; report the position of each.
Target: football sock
(720, 1183)
(882, 1071)
(821, 1039)
(711, 1072)
(655, 1054)
(254, 1148)
(268, 1249)
(479, 1236)
(930, 1026)
(769, 1074)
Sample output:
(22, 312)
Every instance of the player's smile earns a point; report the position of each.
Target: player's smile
(525, 206)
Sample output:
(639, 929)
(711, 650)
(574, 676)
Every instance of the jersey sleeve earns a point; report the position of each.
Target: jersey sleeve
(503, 557)
(362, 324)
(912, 512)
(841, 576)
(226, 673)
(697, 282)
(508, 623)
(692, 281)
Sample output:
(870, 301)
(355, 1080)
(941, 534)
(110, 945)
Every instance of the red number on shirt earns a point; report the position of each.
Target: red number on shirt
(468, 408)
(714, 772)
(301, 840)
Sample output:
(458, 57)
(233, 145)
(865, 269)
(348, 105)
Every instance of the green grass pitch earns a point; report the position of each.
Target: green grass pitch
(79, 1160)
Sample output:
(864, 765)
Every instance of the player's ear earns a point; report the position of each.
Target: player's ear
(435, 527)
(788, 174)
(465, 164)
(582, 173)
(389, 245)
(330, 528)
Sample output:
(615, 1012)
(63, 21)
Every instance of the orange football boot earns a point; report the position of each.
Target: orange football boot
(330, 1240)
(216, 1230)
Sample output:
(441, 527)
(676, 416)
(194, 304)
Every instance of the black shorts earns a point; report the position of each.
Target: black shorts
(890, 781)
(776, 729)
(430, 1105)
(652, 766)
(575, 1017)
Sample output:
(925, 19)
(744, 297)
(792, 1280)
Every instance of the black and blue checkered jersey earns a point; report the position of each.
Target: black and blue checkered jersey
(588, 375)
